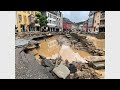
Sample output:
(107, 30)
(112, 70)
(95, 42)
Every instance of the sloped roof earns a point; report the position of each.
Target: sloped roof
(67, 20)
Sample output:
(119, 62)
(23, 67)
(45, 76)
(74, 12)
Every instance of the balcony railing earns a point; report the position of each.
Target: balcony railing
(31, 19)
(102, 24)
(102, 15)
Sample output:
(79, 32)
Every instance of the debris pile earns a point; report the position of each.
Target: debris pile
(27, 67)
(82, 42)
(96, 62)
(66, 70)
(21, 35)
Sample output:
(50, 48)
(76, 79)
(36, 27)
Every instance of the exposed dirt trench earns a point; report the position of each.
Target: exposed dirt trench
(50, 47)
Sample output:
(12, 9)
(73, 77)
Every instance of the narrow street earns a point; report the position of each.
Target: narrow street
(57, 47)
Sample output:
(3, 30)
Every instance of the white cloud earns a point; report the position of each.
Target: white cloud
(66, 13)
(76, 16)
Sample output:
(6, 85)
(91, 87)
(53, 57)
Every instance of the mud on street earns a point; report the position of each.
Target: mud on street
(59, 53)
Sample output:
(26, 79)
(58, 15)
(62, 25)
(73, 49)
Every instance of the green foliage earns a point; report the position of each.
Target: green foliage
(41, 19)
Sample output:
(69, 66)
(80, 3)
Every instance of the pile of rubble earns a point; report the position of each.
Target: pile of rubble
(64, 70)
(21, 35)
(27, 67)
(82, 41)
(91, 48)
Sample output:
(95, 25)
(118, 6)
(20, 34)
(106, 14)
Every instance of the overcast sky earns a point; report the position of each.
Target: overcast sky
(76, 16)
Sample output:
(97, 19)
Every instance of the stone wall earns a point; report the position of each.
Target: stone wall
(101, 35)
(89, 45)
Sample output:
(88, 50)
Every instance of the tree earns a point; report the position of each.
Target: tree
(41, 20)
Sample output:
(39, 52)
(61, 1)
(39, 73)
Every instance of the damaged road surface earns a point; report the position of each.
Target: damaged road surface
(26, 67)
(53, 58)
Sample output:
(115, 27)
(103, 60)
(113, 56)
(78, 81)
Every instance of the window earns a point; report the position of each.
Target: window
(102, 14)
(48, 14)
(102, 22)
(51, 16)
(19, 18)
(50, 21)
(55, 17)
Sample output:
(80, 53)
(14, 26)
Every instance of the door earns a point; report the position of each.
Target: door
(22, 28)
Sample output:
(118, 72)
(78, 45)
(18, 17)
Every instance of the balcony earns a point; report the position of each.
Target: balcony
(102, 17)
(31, 19)
(102, 24)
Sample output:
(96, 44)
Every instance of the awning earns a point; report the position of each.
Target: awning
(51, 26)
(57, 27)
(37, 25)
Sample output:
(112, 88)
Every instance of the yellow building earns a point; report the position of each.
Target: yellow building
(99, 21)
(26, 21)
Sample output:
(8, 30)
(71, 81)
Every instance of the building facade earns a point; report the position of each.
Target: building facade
(61, 22)
(102, 22)
(85, 26)
(54, 20)
(26, 21)
(80, 26)
(99, 21)
(74, 27)
(91, 21)
(67, 26)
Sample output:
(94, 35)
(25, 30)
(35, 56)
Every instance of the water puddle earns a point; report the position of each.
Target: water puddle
(51, 49)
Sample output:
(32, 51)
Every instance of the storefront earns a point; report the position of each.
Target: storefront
(102, 29)
(22, 28)
(37, 27)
